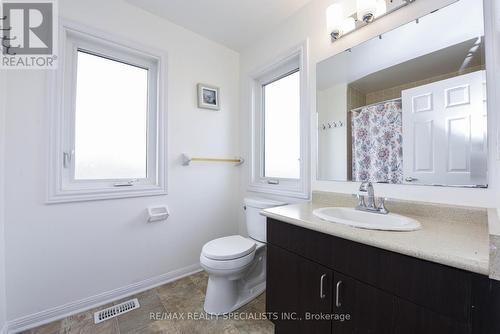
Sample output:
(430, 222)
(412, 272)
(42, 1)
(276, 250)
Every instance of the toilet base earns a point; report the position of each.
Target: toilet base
(227, 293)
(223, 303)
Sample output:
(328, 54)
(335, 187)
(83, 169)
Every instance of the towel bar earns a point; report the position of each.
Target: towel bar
(186, 160)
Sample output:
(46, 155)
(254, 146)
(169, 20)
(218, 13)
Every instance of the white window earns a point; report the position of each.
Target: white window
(108, 120)
(280, 128)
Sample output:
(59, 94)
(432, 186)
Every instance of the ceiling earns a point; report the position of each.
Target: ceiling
(233, 23)
(449, 60)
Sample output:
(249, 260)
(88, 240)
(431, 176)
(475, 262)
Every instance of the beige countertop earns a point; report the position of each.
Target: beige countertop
(453, 236)
(494, 229)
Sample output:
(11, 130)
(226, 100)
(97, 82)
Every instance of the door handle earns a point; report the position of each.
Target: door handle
(322, 294)
(337, 294)
(410, 179)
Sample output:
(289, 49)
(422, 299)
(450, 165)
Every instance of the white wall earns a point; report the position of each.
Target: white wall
(332, 143)
(309, 23)
(66, 252)
(2, 237)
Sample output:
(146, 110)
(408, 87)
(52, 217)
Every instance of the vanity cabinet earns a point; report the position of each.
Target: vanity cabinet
(298, 286)
(315, 278)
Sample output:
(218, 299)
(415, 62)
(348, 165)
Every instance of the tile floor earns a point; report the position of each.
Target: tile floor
(183, 297)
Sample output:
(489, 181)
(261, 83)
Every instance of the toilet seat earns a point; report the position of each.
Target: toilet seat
(225, 265)
(228, 248)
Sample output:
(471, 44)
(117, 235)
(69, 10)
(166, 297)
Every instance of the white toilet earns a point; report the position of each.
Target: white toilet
(236, 265)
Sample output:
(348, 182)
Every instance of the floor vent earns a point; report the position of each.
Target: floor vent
(116, 310)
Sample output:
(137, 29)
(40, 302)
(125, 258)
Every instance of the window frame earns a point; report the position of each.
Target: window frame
(292, 61)
(62, 186)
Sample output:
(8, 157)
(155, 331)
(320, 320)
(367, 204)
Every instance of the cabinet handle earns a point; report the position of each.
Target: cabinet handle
(337, 295)
(321, 284)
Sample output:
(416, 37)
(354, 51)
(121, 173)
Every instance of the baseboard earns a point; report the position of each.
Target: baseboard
(63, 311)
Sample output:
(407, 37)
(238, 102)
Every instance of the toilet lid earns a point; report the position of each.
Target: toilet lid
(228, 248)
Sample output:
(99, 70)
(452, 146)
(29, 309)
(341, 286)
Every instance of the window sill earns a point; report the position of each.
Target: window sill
(82, 195)
(277, 190)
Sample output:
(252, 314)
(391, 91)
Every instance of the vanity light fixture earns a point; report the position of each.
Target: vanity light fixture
(334, 19)
(337, 24)
(367, 11)
(381, 8)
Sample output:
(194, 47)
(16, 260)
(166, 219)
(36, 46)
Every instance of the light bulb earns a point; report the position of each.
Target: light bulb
(334, 19)
(381, 8)
(366, 10)
(348, 25)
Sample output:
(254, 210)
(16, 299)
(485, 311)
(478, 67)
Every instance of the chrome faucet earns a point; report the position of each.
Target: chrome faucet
(370, 204)
(367, 187)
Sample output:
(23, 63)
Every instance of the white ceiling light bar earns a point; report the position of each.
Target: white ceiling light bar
(367, 11)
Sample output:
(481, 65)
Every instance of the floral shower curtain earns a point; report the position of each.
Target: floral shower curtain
(377, 138)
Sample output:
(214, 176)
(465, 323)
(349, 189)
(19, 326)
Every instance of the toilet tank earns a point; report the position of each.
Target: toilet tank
(256, 223)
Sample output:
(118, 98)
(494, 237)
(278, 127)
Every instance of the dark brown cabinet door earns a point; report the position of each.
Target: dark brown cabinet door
(298, 292)
(373, 311)
(370, 310)
(413, 319)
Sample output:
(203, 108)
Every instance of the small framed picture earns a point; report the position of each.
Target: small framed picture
(208, 97)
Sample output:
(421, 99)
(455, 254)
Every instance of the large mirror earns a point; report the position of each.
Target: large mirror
(408, 107)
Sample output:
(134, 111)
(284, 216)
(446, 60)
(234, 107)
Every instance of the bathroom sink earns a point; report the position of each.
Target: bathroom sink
(367, 220)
